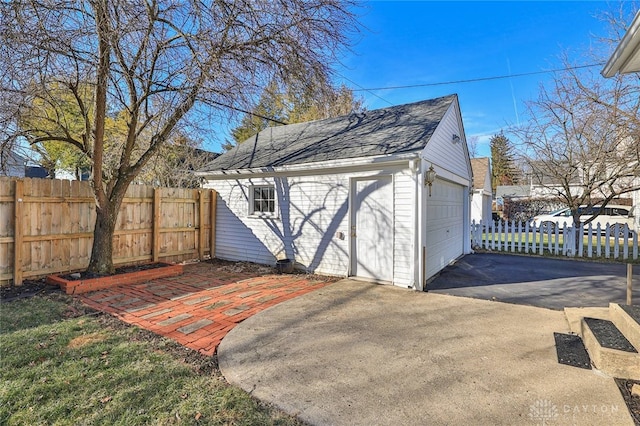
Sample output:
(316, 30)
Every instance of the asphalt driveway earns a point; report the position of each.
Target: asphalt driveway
(536, 281)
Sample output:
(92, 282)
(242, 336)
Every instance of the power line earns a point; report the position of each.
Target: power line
(361, 89)
(473, 80)
(255, 114)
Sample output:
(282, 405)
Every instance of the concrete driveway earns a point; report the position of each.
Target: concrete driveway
(355, 353)
(536, 281)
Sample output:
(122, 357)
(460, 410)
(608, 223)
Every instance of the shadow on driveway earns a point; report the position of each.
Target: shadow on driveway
(535, 281)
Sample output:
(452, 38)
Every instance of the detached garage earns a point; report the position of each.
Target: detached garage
(382, 195)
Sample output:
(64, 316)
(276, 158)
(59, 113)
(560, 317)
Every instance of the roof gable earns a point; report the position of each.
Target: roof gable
(393, 130)
(480, 167)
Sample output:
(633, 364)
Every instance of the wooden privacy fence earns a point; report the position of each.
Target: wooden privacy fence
(615, 242)
(46, 226)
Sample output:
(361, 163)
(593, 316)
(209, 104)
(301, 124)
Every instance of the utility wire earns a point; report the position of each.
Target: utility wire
(411, 86)
(361, 89)
(247, 112)
(473, 80)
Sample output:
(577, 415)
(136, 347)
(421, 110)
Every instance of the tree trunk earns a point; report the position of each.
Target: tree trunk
(577, 236)
(101, 262)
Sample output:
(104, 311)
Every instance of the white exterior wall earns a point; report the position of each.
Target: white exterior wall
(314, 213)
(405, 229)
(481, 202)
(450, 160)
(13, 165)
(635, 195)
(480, 207)
(452, 165)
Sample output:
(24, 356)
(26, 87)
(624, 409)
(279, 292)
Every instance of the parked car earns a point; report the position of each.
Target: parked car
(611, 215)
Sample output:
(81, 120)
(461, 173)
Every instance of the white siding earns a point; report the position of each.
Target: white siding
(635, 196)
(477, 207)
(313, 212)
(12, 165)
(446, 214)
(481, 207)
(404, 238)
(239, 237)
(444, 154)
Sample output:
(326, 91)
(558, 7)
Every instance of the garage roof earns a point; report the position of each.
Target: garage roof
(394, 130)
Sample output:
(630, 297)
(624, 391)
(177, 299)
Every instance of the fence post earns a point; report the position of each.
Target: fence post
(629, 283)
(201, 229)
(212, 221)
(156, 224)
(17, 233)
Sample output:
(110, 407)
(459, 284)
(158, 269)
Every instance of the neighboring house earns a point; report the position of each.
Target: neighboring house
(512, 191)
(482, 193)
(11, 164)
(626, 58)
(348, 196)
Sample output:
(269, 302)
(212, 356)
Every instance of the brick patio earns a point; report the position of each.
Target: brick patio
(197, 309)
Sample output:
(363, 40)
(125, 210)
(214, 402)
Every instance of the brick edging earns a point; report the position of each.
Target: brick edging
(129, 278)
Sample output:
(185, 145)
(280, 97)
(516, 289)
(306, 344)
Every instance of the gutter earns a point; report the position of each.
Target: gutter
(625, 50)
(331, 166)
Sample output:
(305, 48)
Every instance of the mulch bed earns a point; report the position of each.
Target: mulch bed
(29, 288)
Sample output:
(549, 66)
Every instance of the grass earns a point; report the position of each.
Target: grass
(60, 364)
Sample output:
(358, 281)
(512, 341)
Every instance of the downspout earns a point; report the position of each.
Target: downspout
(414, 167)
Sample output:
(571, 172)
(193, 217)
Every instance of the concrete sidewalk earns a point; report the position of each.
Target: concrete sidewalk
(355, 353)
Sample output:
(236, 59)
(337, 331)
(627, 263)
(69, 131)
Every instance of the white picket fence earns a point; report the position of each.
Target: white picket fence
(615, 242)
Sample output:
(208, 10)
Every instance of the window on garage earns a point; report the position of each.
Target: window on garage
(263, 200)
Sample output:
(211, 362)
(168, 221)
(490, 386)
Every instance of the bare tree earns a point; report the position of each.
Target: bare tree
(174, 164)
(161, 66)
(473, 143)
(582, 141)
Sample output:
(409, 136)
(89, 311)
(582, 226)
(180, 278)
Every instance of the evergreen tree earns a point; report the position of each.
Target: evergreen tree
(295, 104)
(502, 161)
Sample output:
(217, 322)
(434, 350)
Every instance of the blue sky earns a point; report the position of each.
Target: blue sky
(424, 42)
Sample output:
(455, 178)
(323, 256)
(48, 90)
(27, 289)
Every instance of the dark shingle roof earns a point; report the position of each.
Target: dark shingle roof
(393, 130)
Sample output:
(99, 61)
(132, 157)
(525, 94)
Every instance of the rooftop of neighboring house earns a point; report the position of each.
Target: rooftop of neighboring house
(480, 167)
(512, 191)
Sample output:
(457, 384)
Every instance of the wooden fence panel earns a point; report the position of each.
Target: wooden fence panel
(179, 223)
(7, 225)
(132, 241)
(55, 221)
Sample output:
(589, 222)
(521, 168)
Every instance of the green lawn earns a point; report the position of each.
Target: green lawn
(63, 365)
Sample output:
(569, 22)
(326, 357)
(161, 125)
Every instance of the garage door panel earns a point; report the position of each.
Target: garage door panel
(444, 225)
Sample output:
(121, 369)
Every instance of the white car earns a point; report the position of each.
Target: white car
(611, 215)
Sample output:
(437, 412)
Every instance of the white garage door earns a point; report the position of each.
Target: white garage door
(445, 225)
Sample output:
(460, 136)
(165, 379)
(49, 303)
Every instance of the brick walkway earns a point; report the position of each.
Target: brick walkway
(197, 309)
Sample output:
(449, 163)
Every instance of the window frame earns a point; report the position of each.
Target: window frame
(252, 201)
